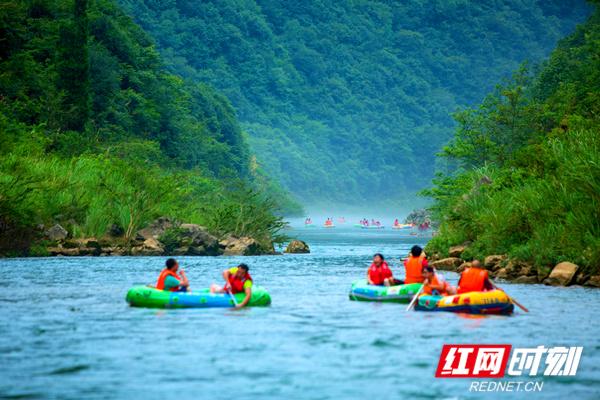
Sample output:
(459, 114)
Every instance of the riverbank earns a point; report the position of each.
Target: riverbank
(502, 267)
(164, 236)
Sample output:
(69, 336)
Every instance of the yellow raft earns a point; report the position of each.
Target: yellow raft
(491, 302)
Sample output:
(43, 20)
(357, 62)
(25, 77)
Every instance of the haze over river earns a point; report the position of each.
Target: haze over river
(67, 333)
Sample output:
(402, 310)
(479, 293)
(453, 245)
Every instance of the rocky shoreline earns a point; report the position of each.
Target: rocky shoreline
(500, 266)
(163, 237)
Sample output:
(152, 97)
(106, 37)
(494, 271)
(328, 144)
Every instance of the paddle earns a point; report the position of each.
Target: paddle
(512, 300)
(228, 289)
(415, 298)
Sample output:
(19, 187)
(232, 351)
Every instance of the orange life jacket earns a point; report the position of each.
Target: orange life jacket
(237, 284)
(160, 284)
(378, 274)
(472, 280)
(414, 269)
(435, 282)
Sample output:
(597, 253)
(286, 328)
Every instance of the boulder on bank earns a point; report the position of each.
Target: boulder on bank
(57, 233)
(193, 240)
(150, 247)
(593, 281)
(77, 247)
(447, 264)
(456, 251)
(243, 246)
(562, 274)
(156, 229)
(494, 262)
(297, 247)
(515, 269)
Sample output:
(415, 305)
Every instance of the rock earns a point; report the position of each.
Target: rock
(150, 247)
(434, 257)
(244, 246)
(562, 274)
(189, 239)
(57, 233)
(502, 273)
(61, 251)
(90, 251)
(155, 229)
(456, 251)
(71, 244)
(516, 268)
(493, 262)
(201, 240)
(447, 264)
(526, 279)
(594, 281)
(581, 278)
(297, 247)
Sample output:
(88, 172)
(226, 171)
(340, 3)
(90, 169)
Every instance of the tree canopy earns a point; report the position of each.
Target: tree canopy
(350, 100)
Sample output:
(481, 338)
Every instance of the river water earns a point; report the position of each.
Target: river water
(67, 333)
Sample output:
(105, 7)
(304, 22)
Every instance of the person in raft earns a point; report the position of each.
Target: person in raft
(414, 264)
(379, 272)
(433, 284)
(170, 280)
(474, 279)
(237, 280)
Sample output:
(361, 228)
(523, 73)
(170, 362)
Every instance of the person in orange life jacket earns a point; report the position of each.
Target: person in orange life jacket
(379, 272)
(434, 284)
(414, 265)
(474, 279)
(170, 279)
(237, 280)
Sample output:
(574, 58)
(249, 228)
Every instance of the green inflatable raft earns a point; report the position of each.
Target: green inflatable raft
(362, 291)
(150, 297)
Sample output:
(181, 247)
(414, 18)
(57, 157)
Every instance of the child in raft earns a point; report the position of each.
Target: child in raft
(434, 284)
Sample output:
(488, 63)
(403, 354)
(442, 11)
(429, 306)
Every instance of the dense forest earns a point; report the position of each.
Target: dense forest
(523, 175)
(95, 133)
(350, 100)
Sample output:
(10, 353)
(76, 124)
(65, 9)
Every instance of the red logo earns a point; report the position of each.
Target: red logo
(473, 361)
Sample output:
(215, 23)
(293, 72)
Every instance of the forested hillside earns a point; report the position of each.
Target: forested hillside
(350, 100)
(525, 165)
(95, 133)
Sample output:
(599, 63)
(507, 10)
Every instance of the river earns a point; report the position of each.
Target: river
(67, 333)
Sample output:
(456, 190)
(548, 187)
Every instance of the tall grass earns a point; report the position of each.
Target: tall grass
(544, 217)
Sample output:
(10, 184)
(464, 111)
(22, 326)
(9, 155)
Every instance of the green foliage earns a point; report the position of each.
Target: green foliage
(95, 132)
(244, 212)
(528, 182)
(350, 100)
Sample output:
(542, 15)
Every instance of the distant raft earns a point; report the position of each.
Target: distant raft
(492, 302)
(150, 297)
(372, 227)
(310, 226)
(402, 226)
(362, 291)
